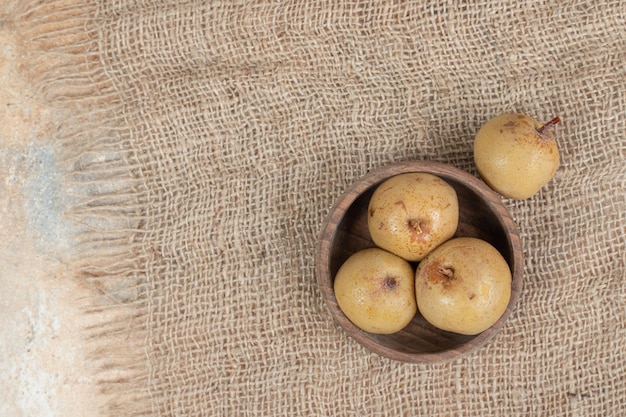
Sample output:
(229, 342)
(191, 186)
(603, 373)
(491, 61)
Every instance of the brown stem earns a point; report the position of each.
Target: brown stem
(416, 225)
(549, 125)
(447, 271)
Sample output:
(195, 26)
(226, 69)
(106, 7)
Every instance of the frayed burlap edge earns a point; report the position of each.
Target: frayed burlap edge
(59, 39)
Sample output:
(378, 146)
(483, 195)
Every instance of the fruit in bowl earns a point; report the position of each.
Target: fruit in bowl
(345, 232)
(376, 290)
(411, 214)
(463, 286)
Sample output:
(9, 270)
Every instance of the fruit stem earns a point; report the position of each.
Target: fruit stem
(549, 125)
(447, 271)
(416, 225)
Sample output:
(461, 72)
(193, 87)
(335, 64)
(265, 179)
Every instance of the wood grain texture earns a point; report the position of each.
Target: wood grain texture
(345, 231)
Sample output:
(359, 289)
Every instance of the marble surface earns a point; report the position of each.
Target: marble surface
(44, 370)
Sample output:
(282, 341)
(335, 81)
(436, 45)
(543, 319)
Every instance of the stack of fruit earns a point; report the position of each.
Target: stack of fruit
(459, 284)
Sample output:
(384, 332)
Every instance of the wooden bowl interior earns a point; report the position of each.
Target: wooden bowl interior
(481, 214)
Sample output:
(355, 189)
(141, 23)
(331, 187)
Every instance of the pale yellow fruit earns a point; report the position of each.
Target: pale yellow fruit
(463, 286)
(516, 155)
(376, 291)
(410, 214)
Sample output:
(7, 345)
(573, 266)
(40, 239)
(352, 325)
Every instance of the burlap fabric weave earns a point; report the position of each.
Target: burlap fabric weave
(208, 141)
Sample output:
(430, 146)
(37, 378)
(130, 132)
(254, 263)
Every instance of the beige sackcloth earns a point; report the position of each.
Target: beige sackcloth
(205, 142)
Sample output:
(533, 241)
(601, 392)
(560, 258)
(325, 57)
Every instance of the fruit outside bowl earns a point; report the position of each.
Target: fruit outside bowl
(344, 232)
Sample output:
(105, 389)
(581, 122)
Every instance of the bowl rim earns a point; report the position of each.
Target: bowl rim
(372, 178)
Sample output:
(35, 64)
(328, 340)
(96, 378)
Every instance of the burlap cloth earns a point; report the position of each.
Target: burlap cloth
(206, 141)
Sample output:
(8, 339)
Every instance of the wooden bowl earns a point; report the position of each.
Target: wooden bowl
(345, 231)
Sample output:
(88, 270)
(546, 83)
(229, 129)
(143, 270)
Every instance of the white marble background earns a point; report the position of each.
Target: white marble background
(43, 366)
